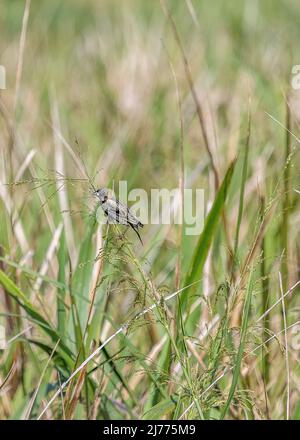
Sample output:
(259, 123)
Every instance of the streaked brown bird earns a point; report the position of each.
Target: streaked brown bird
(116, 211)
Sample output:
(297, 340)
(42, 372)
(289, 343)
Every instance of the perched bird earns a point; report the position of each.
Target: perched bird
(116, 211)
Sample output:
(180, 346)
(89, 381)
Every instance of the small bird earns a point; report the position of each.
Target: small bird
(116, 211)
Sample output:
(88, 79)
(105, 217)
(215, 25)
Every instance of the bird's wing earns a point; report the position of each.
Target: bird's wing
(120, 213)
(116, 212)
(132, 220)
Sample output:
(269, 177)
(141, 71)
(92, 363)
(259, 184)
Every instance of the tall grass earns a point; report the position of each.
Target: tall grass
(98, 326)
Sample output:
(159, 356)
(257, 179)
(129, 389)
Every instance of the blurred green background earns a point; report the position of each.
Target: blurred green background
(96, 92)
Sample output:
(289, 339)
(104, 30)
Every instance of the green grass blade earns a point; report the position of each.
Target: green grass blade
(238, 360)
(206, 237)
(61, 306)
(32, 273)
(19, 296)
(162, 408)
(162, 365)
(286, 204)
(242, 192)
(83, 274)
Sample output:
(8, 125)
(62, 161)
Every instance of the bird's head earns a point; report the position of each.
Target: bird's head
(103, 194)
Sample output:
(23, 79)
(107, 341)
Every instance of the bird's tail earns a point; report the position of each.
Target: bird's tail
(135, 228)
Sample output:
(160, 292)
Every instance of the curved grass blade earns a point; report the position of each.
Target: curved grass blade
(242, 192)
(161, 409)
(61, 305)
(206, 237)
(33, 274)
(19, 296)
(239, 356)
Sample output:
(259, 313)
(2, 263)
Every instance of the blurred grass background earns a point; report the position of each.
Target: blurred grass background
(90, 90)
